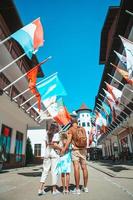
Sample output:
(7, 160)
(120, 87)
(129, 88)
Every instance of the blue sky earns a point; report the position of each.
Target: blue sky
(72, 30)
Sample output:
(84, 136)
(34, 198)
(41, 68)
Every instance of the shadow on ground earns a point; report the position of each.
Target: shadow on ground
(32, 174)
(48, 188)
(118, 168)
(2, 172)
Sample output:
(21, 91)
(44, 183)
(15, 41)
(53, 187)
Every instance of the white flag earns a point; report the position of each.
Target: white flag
(128, 45)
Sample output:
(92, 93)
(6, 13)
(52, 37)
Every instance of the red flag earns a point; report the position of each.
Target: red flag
(59, 112)
(32, 77)
(63, 117)
(39, 100)
(38, 35)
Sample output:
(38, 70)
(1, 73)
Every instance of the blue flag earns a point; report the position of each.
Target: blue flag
(51, 87)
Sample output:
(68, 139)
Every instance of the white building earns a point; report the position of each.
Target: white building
(84, 119)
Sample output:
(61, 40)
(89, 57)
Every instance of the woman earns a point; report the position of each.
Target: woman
(51, 158)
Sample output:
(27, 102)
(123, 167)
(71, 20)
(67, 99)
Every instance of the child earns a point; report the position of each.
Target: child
(64, 165)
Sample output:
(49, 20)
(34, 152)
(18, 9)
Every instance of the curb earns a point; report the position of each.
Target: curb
(103, 171)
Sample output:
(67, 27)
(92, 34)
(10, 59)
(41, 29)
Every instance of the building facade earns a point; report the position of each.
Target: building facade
(118, 139)
(14, 119)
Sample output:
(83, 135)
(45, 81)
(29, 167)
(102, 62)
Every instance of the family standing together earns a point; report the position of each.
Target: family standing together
(60, 151)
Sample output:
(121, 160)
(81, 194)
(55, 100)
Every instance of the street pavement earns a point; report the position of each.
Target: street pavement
(105, 183)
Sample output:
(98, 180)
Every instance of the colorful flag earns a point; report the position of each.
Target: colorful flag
(125, 75)
(128, 45)
(112, 106)
(30, 37)
(98, 121)
(116, 93)
(103, 117)
(51, 87)
(122, 59)
(59, 112)
(109, 96)
(106, 108)
(108, 111)
(101, 123)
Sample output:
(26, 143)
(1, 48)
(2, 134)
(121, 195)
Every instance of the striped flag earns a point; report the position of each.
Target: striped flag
(30, 37)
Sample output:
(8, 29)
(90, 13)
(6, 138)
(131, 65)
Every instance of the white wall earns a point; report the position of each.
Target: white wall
(36, 137)
(12, 116)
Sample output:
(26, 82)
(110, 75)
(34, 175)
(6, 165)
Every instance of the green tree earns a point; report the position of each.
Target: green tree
(29, 152)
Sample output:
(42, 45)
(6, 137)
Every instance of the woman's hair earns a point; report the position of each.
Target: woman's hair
(64, 136)
(51, 131)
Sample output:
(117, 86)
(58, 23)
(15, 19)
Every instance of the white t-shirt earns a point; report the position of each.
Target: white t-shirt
(48, 151)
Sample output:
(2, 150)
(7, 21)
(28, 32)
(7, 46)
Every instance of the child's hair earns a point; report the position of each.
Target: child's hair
(64, 136)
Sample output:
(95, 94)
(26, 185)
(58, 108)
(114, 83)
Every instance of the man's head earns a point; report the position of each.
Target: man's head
(74, 122)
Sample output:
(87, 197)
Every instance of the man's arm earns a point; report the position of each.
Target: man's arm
(69, 139)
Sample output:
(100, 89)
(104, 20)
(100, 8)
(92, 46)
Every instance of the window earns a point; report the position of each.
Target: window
(83, 124)
(19, 146)
(82, 115)
(37, 150)
(88, 124)
(5, 140)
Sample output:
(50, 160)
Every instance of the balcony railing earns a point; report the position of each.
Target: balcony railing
(12, 92)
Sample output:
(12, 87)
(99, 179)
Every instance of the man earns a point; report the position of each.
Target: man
(78, 157)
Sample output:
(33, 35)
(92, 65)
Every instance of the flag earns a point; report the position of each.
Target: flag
(98, 119)
(128, 45)
(124, 74)
(108, 111)
(51, 87)
(112, 106)
(106, 108)
(101, 123)
(30, 37)
(109, 96)
(59, 112)
(103, 117)
(116, 93)
(38, 100)
(32, 77)
(122, 59)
